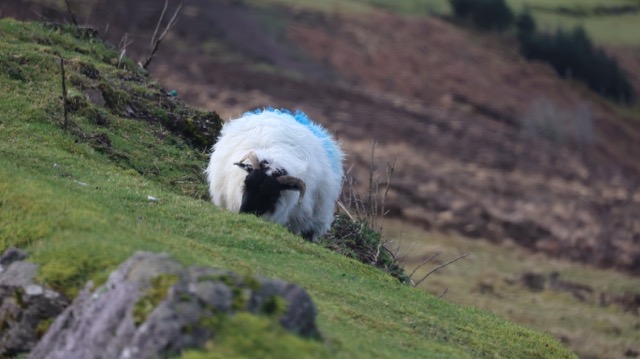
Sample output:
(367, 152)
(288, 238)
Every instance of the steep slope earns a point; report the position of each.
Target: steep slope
(488, 145)
(120, 178)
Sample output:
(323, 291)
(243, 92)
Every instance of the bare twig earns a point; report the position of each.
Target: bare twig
(423, 263)
(37, 14)
(122, 46)
(375, 257)
(345, 210)
(155, 32)
(390, 168)
(440, 267)
(70, 12)
(402, 258)
(444, 293)
(371, 211)
(170, 25)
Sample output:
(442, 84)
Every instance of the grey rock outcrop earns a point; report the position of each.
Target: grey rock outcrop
(25, 306)
(152, 306)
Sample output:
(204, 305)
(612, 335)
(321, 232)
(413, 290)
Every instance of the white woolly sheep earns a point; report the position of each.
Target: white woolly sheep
(280, 166)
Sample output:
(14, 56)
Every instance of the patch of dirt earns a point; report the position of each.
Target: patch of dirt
(446, 103)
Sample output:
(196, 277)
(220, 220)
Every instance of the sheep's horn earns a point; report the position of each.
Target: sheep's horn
(293, 183)
(252, 157)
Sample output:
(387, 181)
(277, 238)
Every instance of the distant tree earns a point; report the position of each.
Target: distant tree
(461, 8)
(525, 23)
(573, 55)
(485, 14)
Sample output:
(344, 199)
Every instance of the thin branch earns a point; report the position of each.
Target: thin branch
(406, 253)
(65, 105)
(345, 210)
(122, 46)
(444, 293)
(439, 267)
(423, 263)
(375, 257)
(383, 212)
(370, 216)
(168, 28)
(155, 32)
(70, 12)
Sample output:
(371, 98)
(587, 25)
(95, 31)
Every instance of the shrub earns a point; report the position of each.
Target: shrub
(573, 55)
(356, 239)
(525, 23)
(485, 14)
(359, 236)
(461, 8)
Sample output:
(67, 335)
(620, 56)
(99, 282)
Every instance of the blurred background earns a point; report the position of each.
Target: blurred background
(513, 130)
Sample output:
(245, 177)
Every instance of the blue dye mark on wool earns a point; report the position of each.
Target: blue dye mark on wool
(329, 145)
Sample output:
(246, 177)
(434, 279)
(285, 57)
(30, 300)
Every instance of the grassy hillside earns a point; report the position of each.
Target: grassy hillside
(581, 308)
(78, 201)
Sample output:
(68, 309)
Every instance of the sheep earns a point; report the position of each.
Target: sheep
(280, 166)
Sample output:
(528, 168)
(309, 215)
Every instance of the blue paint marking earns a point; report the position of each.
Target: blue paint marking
(329, 145)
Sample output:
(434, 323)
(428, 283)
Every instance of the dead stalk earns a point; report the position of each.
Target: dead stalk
(345, 210)
(390, 168)
(370, 200)
(122, 46)
(440, 267)
(423, 263)
(70, 12)
(446, 290)
(155, 42)
(155, 32)
(65, 105)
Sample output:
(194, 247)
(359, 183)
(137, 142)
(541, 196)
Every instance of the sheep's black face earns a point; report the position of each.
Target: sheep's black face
(262, 186)
(261, 192)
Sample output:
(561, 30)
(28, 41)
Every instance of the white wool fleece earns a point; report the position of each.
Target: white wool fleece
(286, 141)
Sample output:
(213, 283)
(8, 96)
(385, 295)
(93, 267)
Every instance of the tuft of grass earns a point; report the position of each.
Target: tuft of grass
(79, 204)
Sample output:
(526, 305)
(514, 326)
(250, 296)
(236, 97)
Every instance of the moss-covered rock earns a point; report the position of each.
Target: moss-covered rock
(26, 307)
(152, 306)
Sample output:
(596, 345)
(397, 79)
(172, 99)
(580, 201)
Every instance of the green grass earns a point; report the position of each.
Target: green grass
(405, 7)
(481, 280)
(81, 207)
(614, 29)
(618, 30)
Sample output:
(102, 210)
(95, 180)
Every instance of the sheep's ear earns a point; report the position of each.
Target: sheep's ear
(244, 166)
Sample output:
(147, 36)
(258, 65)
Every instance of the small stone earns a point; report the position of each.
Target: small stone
(11, 255)
(19, 274)
(23, 307)
(33, 290)
(152, 199)
(95, 96)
